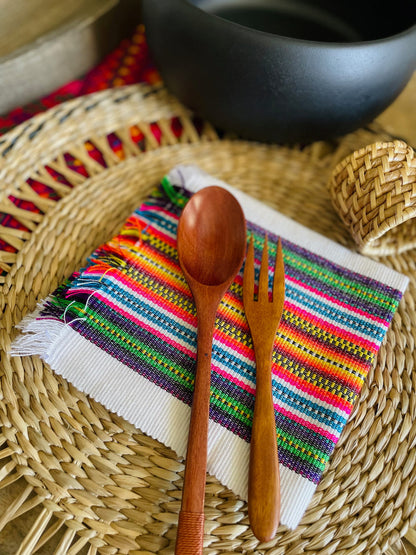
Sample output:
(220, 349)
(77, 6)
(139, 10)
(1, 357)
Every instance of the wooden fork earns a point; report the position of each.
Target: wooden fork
(263, 316)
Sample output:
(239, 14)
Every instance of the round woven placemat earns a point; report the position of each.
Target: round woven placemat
(82, 479)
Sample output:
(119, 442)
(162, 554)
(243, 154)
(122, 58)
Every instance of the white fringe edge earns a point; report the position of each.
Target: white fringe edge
(38, 335)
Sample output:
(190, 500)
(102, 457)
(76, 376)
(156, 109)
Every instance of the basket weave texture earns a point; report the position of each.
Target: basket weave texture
(95, 483)
(374, 191)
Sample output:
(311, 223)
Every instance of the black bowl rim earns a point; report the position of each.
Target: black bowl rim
(292, 40)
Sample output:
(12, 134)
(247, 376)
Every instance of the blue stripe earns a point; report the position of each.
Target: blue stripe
(229, 360)
(131, 301)
(292, 399)
(139, 306)
(307, 407)
(160, 222)
(219, 355)
(375, 331)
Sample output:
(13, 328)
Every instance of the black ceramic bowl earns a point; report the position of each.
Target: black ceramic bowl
(284, 70)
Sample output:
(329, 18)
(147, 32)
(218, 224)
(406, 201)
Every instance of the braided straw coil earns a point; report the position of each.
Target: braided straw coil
(374, 191)
(78, 479)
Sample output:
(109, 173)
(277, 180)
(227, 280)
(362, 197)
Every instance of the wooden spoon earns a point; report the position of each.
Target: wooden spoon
(211, 248)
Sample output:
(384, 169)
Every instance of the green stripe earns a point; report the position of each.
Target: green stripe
(283, 440)
(172, 193)
(160, 289)
(129, 343)
(328, 338)
(296, 369)
(157, 360)
(328, 277)
(237, 410)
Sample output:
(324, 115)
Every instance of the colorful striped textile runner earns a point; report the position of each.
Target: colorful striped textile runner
(123, 330)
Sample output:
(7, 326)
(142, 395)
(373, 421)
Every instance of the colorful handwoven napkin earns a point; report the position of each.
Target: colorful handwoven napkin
(123, 330)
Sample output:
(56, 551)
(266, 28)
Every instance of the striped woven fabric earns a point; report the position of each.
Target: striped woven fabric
(132, 305)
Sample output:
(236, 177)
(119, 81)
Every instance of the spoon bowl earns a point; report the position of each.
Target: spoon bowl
(211, 249)
(210, 234)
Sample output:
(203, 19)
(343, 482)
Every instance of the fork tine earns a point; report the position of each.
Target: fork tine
(264, 272)
(248, 278)
(279, 271)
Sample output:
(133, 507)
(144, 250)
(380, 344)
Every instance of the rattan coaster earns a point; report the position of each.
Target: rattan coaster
(82, 479)
(374, 191)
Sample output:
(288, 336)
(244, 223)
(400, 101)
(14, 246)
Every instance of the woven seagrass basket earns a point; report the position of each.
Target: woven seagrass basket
(78, 478)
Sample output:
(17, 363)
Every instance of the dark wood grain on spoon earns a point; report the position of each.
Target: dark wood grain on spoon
(211, 248)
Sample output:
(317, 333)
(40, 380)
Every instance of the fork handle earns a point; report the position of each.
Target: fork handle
(264, 476)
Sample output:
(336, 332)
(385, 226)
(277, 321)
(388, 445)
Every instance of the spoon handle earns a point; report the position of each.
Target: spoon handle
(191, 518)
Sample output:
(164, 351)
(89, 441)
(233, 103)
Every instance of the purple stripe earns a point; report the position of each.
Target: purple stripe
(341, 271)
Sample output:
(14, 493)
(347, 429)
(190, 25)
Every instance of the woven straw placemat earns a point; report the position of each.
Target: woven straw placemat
(95, 483)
